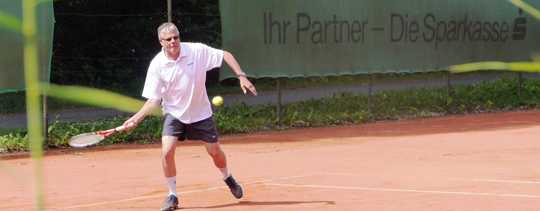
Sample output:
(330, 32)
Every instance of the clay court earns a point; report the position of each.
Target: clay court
(474, 162)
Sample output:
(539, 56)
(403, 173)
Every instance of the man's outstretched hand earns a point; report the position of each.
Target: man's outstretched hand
(246, 85)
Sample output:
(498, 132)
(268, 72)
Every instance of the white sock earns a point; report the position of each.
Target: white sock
(225, 172)
(171, 184)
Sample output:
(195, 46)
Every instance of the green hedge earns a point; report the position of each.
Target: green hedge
(340, 109)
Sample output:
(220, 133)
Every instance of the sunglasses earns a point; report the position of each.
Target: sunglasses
(171, 38)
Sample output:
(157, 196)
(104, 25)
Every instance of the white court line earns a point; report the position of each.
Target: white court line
(462, 179)
(406, 190)
(340, 174)
(263, 181)
(281, 178)
(502, 181)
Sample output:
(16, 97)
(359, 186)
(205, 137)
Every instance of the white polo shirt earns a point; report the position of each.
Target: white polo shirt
(180, 83)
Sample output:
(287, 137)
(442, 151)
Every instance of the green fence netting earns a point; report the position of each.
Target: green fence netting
(299, 38)
(11, 42)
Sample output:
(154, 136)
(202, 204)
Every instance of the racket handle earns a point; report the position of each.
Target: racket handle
(119, 128)
(122, 128)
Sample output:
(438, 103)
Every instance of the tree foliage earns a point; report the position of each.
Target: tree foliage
(109, 44)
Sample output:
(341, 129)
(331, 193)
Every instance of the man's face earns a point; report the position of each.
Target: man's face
(170, 41)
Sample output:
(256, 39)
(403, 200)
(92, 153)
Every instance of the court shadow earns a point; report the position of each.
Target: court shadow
(261, 203)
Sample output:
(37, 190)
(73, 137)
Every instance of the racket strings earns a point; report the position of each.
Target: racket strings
(85, 139)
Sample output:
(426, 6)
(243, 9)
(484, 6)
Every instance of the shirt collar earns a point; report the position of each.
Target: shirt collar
(183, 53)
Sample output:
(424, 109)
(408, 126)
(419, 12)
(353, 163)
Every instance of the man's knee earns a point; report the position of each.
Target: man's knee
(167, 155)
(168, 146)
(213, 149)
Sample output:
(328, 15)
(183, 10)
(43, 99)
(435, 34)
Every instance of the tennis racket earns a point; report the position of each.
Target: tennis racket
(88, 139)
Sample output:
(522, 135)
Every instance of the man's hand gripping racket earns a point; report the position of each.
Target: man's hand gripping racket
(88, 139)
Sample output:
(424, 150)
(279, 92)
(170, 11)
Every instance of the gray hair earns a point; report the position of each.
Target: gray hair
(167, 27)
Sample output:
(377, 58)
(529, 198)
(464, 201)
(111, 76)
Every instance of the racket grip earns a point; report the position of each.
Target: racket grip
(119, 128)
(122, 128)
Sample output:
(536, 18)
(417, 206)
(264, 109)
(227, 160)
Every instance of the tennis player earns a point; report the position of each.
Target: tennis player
(176, 80)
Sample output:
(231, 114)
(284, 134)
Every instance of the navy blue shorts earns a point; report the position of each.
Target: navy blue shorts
(204, 130)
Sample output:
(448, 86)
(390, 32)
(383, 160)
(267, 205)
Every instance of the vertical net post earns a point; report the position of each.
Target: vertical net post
(169, 10)
(448, 89)
(370, 94)
(520, 85)
(279, 97)
(45, 121)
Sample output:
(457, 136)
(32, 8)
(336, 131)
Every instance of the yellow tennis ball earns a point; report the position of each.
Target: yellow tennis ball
(217, 101)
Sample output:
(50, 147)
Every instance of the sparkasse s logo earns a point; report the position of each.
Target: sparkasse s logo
(520, 27)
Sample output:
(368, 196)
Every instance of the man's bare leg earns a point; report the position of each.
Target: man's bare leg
(218, 156)
(220, 161)
(168, 147)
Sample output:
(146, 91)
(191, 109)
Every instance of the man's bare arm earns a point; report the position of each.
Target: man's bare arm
(149, 106)
(245, 84)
